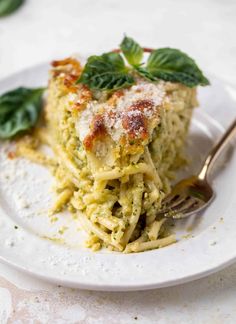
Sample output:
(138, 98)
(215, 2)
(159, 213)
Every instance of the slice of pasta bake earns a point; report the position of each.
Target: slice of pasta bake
(116, 154)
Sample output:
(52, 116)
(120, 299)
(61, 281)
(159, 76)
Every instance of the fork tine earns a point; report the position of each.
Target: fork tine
(173, 201)
(186, 206)
(171, 197)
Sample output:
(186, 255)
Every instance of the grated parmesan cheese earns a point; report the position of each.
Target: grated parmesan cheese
(113, 113)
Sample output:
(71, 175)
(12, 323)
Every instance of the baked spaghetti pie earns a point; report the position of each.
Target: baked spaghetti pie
(116, 155)
(116, 148)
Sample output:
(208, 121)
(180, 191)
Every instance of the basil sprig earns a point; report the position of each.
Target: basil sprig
(108, 71)
(19, 110)
(9, 6)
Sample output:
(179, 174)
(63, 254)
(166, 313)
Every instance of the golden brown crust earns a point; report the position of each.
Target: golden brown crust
(69, 70)
(98, 131)
(84, 97)
(67, 61)
(134, 120)
(115, 96)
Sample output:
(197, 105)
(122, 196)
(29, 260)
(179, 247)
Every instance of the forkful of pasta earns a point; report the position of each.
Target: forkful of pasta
(193, 194)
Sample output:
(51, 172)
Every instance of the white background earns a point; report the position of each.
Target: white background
(43, 30)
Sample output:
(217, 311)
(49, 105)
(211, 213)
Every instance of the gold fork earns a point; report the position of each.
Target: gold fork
(191, 195)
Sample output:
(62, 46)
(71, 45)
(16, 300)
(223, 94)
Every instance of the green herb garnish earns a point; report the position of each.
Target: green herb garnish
(172, 65)
(9, 6)
(109, 72)
(132, 51)
(106, 72)
(19, 110)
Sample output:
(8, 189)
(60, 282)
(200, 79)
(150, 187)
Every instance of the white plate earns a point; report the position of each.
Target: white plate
(25, 195)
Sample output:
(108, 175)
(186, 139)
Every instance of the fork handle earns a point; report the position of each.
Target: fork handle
(217, 149)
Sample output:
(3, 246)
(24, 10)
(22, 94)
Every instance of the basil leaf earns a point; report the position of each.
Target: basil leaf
(171, 64)
(106, 72)
(9, 6)
(144, 73)
(19, 110)
(131, 50)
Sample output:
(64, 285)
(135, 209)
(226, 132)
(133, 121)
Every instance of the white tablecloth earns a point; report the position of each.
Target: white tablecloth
(48, 29)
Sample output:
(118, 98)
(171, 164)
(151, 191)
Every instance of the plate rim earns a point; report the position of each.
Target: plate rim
(119, 288)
